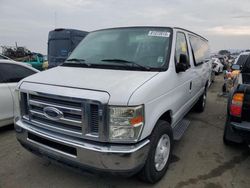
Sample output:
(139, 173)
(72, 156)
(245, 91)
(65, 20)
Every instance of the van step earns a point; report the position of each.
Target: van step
(180, 128)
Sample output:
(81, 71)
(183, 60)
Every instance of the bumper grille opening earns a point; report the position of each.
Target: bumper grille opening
(94, 118)
(60, 147)
(24, 104)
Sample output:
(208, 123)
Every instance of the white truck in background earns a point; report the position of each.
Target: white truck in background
(118, 101)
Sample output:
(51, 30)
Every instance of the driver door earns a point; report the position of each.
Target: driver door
(183, 79)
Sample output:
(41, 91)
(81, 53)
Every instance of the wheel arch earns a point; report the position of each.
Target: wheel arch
(166, 116)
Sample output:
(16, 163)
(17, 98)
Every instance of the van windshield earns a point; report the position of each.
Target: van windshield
(140, 48)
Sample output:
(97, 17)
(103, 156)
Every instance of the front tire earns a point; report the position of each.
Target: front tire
(161, 146)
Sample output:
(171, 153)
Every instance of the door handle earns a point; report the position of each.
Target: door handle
(190, 85)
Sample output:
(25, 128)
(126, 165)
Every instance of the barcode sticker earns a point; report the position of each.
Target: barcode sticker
(159, 34)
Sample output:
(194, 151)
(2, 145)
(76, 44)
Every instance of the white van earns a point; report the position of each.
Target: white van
(118, 101)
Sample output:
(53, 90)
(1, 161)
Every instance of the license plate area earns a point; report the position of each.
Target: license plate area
(54, 145)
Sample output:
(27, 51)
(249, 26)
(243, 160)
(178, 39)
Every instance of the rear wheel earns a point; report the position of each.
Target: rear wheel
(201, 104)
(161, 145)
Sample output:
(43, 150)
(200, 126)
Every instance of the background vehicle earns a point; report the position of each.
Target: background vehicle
(11, 73)
(212, 75)
(241, 59)
(211, 71)
(35, 60)
(61, 42)
(217, 66)
(237, 127)
(123, 103)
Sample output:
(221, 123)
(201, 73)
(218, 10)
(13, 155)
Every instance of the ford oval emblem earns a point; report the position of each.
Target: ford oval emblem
(52, 113)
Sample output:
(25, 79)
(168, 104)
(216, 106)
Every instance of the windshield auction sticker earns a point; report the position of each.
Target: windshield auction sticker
(158, 33)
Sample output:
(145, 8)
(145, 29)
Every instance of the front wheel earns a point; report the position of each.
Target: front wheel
(161, 145)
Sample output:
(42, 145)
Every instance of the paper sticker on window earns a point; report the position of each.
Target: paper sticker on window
(158, 33)
(160, 59)
(183, 47)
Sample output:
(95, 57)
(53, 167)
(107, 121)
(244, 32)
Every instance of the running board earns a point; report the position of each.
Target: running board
(180, 128)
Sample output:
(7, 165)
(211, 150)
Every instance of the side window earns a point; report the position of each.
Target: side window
(12, 73)
(181, 47)
(200, 49)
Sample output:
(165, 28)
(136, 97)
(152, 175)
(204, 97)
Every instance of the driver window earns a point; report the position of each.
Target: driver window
(181, 47)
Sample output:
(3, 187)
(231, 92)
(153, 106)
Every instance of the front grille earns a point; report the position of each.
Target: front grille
(79, 117)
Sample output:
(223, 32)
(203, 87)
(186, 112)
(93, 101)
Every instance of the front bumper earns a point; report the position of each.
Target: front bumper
(88, 155)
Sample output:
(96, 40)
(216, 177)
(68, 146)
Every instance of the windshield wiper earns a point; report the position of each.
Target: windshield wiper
(76, 59)
(123, 61)
(79, 62)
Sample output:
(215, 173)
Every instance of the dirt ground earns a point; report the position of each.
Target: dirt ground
(199, 159)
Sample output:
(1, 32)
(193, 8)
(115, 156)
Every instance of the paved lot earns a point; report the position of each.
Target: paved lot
(200, 159)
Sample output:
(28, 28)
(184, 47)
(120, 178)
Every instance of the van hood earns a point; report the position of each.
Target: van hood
(119, 84)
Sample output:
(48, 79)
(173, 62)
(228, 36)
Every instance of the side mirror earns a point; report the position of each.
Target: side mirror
(182, 65)
(235, 67)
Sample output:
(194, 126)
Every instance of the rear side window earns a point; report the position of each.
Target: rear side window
(11, 73)
(181, 47)
(200, 49)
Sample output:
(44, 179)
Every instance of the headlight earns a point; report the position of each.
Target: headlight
(125, 123)
(17, 112)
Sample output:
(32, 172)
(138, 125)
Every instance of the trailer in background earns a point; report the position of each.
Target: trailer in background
(61, 42)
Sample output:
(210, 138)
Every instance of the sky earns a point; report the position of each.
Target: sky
(225, 23)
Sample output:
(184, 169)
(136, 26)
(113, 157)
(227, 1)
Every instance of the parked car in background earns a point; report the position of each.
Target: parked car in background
(212, 74)
(210, 70)
(123, 103)
(61, 42)
(11, 73)
(241, 59)
(36, 60)
(237, 127)
(217, 66)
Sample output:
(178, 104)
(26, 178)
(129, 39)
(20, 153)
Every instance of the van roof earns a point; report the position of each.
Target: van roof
(179, 28)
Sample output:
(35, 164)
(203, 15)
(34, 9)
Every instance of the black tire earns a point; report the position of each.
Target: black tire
(201, 103)
(149, 173)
